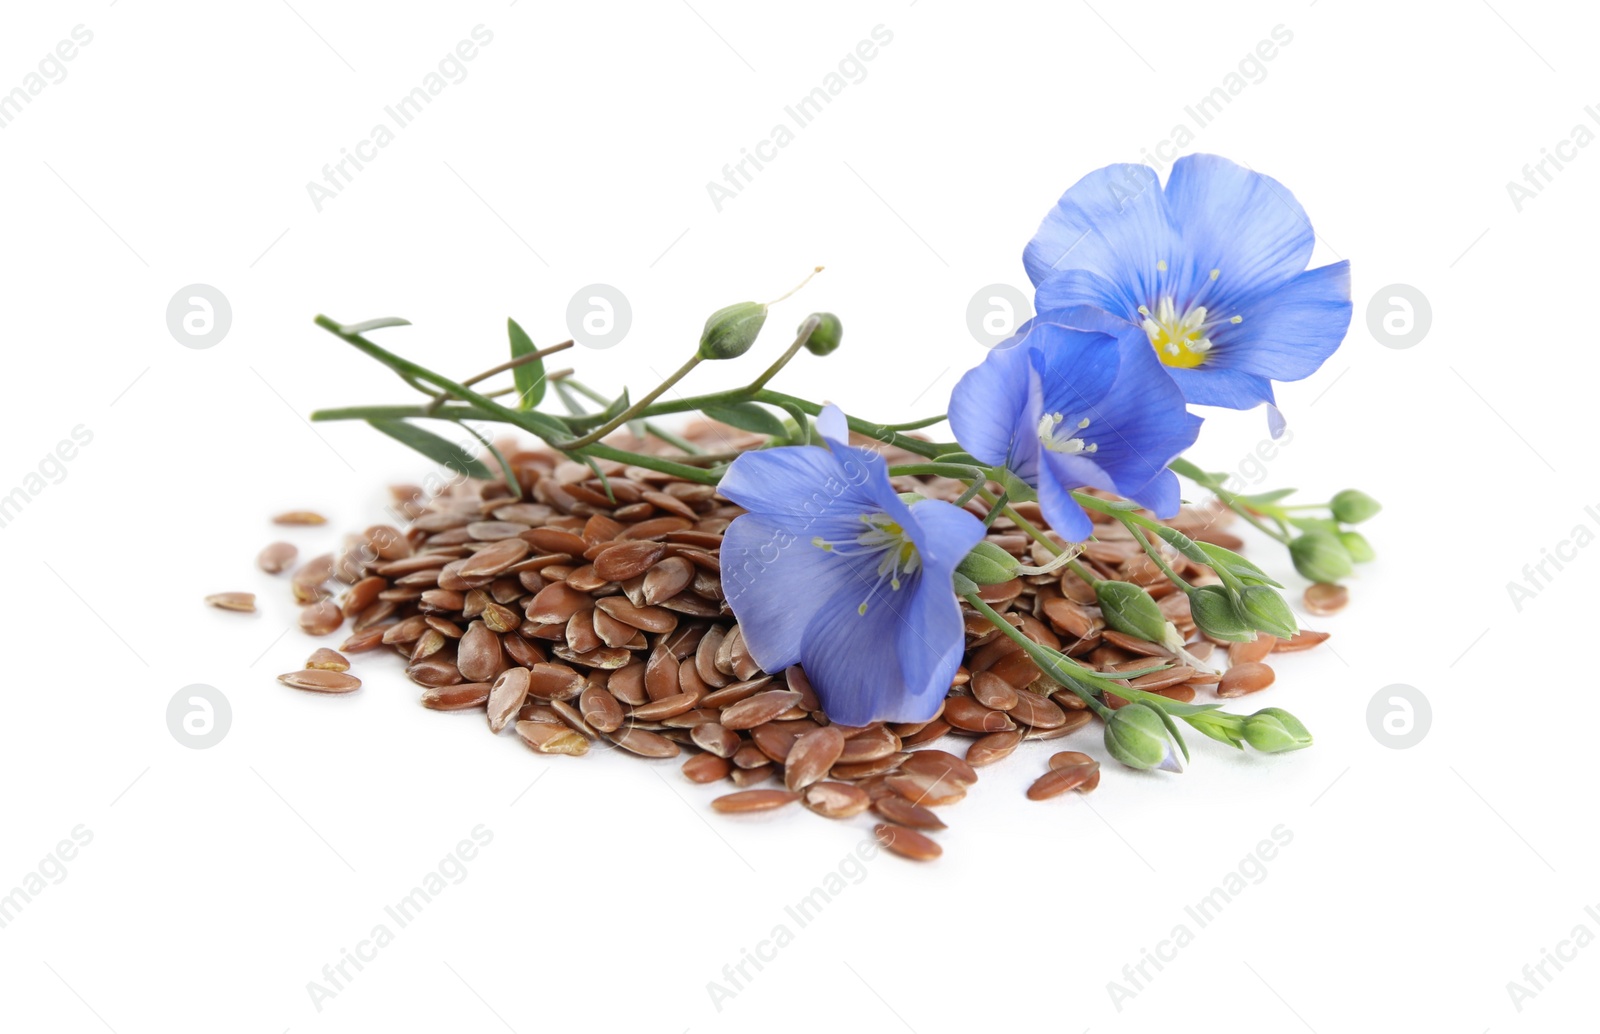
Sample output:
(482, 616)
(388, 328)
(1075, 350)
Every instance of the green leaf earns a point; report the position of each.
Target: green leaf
(530, 375)
(377, 324)
(1265, 498)
(507, 474)
(747, 416)
(605, 482)
(588, 421)
(1184, 544)
(1166, 705)
(802, 425)
(1172, 727)
(1222, 733)
(442, 451)
(1316, 524)
(1016, 489)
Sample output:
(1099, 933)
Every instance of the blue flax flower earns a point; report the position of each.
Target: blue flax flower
(1076, 399)
(832, 569)
(1213, 269)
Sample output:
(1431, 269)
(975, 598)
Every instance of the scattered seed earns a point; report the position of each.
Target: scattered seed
(242, 601)
(812, 755)
(594, 609)
(968, 715)
(986, 750)
(758, 709)
(644, 743)
(1250, 677)
(907, 843)
(507, 694)
(1255, 650)
(897, 809)
(626, 560)
(321, 618)
(461, 696)
(992, 691)
(754, 800)
(1069, 770)
(300, 517)
(836, 800)
(548, 738)
(277, 557)
(327, 660)
(706, 768)
(1305, 640)
(321, 681)
(1323, 599)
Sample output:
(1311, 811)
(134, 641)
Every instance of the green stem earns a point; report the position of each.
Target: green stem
(665, 466)
(544, 427)
(807, 328)
(1048, 660)
(1153, 553)
(884, 433)
(459, 413)
(916, 425)
(510, 364)
(1229, 499)
(958, 471)
(638, 407)
(671, 439)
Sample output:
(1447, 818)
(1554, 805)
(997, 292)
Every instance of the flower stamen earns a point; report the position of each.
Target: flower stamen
(884, 538)
(1048, 425)
(1182, 339)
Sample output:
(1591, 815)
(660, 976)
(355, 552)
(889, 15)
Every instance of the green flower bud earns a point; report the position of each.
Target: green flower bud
(731, 331)
(1220, 726)
(1357, 546)
(1268, 612)
(1218, 615)
(1353, 507)
(1136, 736)
(1272, 730)
(988, 564)
(826, 337)
(1228, 563)
(1129, 609)
(1320, 556)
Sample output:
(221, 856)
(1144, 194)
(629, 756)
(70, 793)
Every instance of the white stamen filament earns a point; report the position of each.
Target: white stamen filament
(898, 558)
(1071, 446)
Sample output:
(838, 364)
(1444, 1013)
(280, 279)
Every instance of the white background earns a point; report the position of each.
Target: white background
(577, 150)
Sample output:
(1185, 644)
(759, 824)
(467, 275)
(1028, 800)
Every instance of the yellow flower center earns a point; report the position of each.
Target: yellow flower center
(1181, 339)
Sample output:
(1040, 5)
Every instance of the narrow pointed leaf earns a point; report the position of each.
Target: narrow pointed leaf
(747, 416)
(530, 375)
(377, 324)
(442, 451)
